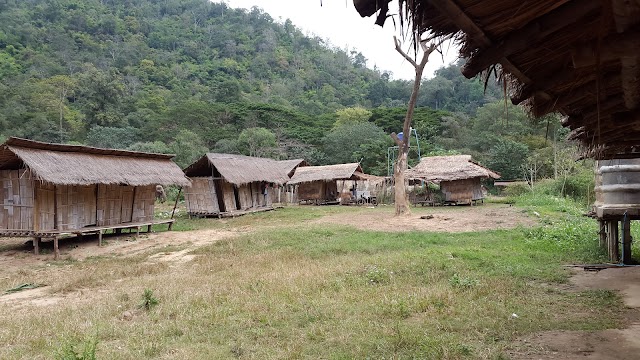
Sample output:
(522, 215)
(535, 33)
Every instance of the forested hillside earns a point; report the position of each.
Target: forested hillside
(187, 76)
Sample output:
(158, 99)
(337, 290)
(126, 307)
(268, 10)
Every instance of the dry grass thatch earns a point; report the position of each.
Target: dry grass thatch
(289, 166)
(449, 168)
(241, 169)
(326, 173)
(83, 165)
(575, 57)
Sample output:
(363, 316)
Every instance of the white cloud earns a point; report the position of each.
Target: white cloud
(339, 22)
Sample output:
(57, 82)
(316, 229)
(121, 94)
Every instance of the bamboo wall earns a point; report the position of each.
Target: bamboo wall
(245, 195)
(69, 207)
(46, 206)
(462, 190)
(75, 206)
(18, 199)
(318, 190)
(228, 196)
(201, 197)
(143, 203)
(118, 204)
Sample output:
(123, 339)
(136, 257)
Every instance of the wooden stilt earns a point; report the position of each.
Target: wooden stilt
(118, 231)
(36, 245)
(612, 240)
(99, 237)
(149, 228)
(626, 240)
(137, 231)
(603, 233)
(56, 250)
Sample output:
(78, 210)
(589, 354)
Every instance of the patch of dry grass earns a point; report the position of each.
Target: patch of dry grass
(301, 290)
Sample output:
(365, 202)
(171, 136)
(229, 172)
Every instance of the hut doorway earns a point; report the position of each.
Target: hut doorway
(220, 198)
(237, 197)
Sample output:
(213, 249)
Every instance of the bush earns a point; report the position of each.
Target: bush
(78, 351)
(579, 187)
(517, 189)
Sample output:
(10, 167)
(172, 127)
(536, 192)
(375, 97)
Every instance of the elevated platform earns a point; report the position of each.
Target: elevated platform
(230, 214)
(100, 230)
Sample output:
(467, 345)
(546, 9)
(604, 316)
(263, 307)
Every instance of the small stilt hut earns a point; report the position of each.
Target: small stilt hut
(229, 184)
(318, 184)
(458, 176)
(49, 190)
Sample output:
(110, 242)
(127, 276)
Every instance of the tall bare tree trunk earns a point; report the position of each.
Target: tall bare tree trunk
(400, 182)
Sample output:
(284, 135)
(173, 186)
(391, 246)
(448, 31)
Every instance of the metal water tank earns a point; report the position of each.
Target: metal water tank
(617, 187)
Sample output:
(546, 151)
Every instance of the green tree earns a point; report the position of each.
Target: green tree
(112, 137)
(157, 147)
(258, 142)
(188, 147)
(351, 115)
(354, 141)
(508, 157)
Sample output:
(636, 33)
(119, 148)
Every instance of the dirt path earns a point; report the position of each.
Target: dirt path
(445, 219)
(618, 344)
(20, 258)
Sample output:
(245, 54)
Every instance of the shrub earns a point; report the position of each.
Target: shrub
(71, 351)
(148, 300)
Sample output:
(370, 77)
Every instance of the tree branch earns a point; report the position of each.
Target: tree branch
(399, 49)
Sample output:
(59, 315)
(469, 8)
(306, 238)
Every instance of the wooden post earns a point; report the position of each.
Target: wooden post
(100, 237)
(602, 225)
(176, 203)
(137, 231)
(612, 227)
(56, 250)
(626, 240)
(149, 228)
(36, 245)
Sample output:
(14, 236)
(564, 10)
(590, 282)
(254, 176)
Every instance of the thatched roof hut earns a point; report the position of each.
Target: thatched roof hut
(458, 176)
(319, 184)
(449, 168)
(326, 173)
(54, 189)
(575, 57)
(229, 183)
(240, 169)
(83, 165)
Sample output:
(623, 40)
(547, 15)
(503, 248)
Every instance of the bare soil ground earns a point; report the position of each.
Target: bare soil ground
(618, 344)
(16, 256)
(445, 219)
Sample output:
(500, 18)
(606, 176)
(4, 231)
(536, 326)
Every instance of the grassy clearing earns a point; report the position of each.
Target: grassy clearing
(305, 290)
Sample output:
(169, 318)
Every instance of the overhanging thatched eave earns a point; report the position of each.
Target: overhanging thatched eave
(326, 173)
(80, 168)
(240, 169)
(575, 57)
(449, 168)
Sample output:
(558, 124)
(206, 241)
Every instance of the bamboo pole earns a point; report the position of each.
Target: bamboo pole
(176, 203)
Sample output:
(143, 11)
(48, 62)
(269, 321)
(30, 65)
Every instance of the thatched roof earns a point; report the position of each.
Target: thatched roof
(449, 168)
(240, 169)
(576, 57)
(326, 173)
(289, 166)
(84, 165)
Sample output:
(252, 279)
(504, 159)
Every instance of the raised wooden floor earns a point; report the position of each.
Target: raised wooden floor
(100, 230)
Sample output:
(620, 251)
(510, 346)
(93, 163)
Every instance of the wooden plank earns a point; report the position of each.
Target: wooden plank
(56, 250)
